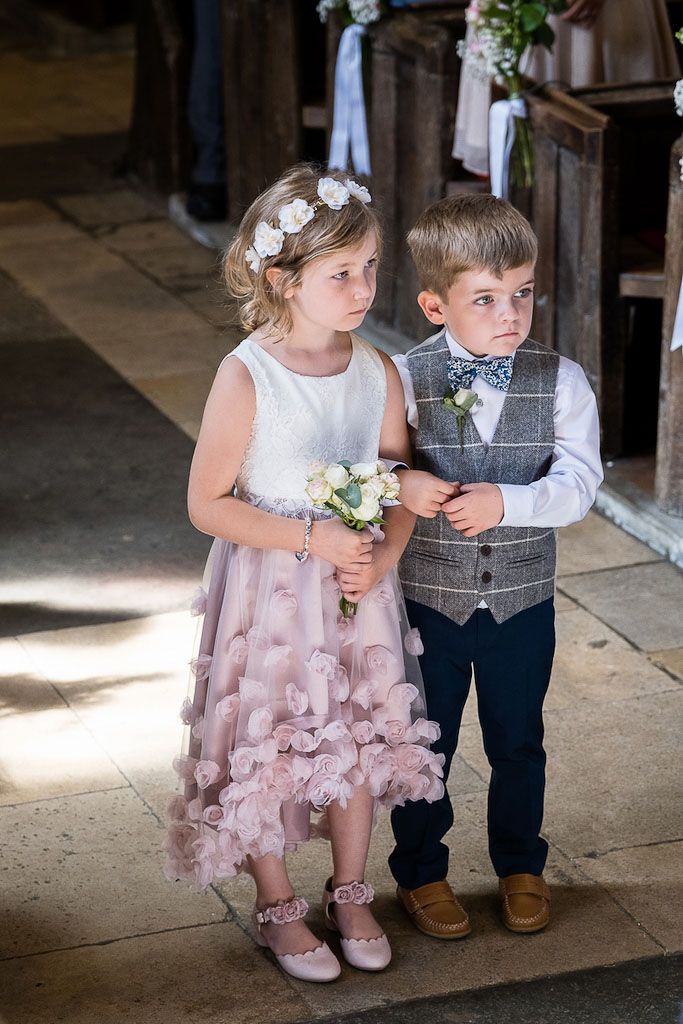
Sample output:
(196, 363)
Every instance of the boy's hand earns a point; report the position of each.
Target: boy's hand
(478, 507)
(423, 493)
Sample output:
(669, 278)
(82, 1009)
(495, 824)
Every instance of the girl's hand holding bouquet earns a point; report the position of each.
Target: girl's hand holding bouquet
(356, 494)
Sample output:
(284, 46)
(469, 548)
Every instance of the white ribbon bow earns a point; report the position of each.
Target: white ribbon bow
(349, 129)
(677, 333)
(501, 140)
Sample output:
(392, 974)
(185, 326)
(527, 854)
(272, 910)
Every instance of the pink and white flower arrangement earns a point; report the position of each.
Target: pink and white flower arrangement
(500, 32)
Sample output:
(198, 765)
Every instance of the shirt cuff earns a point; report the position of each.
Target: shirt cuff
(518, 504)
(393, 466)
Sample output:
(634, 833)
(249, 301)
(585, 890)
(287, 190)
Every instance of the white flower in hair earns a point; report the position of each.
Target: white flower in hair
(268, 241)
(253, 259)
(295, 215)
(359, 191)
(333, 193)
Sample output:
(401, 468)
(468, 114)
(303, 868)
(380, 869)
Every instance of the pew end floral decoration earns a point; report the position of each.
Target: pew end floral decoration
(352, 12)
(500, 33)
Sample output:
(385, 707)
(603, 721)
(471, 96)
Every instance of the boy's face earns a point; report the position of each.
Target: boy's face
(486, 314)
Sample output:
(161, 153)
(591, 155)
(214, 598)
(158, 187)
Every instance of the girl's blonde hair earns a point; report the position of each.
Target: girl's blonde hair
(329, 231)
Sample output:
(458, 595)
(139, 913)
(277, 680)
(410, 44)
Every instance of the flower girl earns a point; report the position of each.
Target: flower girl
(296, 708)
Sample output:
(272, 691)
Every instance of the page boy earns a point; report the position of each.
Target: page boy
(479, 570)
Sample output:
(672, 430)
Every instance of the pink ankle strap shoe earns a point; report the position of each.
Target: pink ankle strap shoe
(364, 954)
(319, 964)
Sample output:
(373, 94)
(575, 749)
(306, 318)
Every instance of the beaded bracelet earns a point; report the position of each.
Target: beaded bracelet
(303, 555)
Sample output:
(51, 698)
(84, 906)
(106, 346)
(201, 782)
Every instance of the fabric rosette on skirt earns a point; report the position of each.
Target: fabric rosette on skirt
(292, 706)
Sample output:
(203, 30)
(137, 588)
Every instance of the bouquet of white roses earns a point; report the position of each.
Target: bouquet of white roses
(354, 492)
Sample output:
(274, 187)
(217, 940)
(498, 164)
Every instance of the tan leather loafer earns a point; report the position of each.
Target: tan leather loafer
(525, 902)
(434, 910)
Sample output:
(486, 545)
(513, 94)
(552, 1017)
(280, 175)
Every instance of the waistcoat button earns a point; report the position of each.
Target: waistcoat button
(485, 550)
(486, 577)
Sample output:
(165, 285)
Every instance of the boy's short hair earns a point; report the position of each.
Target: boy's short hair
(469, 232)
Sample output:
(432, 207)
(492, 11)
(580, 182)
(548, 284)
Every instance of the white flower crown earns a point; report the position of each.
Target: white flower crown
(268, 240)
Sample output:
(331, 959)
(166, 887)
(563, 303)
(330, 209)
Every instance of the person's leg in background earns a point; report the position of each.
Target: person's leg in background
(206, 198)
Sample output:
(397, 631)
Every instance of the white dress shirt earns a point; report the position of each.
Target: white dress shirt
(565, 494)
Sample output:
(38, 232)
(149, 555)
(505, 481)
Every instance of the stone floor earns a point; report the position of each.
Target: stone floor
(113, 326)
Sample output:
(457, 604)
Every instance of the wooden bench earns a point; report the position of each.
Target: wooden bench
(411, 72)
(274, 79)
(159, 147)
(601, 170)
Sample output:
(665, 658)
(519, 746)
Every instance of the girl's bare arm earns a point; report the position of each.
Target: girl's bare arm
(223, 437)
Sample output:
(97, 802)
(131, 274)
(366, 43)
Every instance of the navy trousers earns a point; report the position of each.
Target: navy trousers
(205, 101)
(512, 663)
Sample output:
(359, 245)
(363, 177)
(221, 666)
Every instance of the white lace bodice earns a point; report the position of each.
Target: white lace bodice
(301, 419)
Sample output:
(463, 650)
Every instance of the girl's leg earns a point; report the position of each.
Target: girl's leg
(350, 830)
(272, 885)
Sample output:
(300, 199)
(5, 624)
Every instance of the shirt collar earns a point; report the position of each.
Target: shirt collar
(456, 349)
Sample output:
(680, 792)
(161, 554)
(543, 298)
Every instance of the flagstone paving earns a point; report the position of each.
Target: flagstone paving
(113, 325)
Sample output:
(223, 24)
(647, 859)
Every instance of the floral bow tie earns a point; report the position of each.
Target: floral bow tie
(497, 371)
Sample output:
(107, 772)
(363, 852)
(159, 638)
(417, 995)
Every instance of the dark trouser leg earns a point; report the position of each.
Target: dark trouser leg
(419, 856)
(512, 669)
(205, 102)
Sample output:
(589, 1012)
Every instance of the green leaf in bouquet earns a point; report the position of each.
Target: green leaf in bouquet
(345, 463)
(497, 12)
(531, 16)
(353, 496)
(544, 36)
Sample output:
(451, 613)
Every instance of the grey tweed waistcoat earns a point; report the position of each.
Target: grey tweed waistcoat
(511, 568)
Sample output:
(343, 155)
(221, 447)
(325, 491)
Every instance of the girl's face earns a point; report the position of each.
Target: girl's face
(336, 291)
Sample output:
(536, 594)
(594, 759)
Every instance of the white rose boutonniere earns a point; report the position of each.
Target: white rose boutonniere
(460, 404)
(333, 193)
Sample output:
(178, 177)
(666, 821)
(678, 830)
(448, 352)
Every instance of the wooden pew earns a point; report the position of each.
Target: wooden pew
(414, 89)
(411, 72)
(669, 474)
(274, 79)
(159, 147)
(601, 166)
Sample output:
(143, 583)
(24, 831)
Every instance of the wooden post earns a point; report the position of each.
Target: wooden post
(601, 159)
(574, 214)
(669, 474)
(159, 148)
(263, 102)
(415, 70)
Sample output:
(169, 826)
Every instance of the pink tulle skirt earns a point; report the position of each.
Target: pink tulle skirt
(292, 707)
